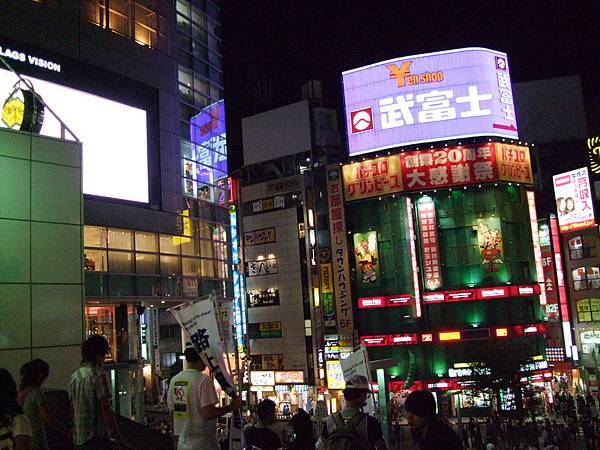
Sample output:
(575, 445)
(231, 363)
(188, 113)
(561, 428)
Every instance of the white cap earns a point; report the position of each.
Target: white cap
(358, 382)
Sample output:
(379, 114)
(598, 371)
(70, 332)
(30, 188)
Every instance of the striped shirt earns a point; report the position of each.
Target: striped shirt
(87, 387)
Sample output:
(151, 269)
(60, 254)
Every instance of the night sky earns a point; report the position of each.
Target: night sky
(271, 48)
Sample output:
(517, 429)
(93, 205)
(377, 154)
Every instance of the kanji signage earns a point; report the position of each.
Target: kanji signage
(289, 377)
(371, 178)
(429, 97)
(327, 291)
(262, 378)
(574, 202)
(437, 168)
(339, 249)
(261, 267)
(257, 237)
(429, 244)
(263, 298)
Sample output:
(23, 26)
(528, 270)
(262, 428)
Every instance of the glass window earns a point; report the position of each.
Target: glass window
(206, 248)
(94, 236)
(190, 266)
(146, 242)
(121, 239)
(170, 265)
(169, 244)
(96, 284)
(94, 11)
(119, 16)
(207, 268)
(120, 262)
(171, 286)
(148, 286)
(145, 25)
(145, 263)
(190, 247)
(582, 247)
(121, 285)
(183, 7)
(586, 278)
(593, 277)
(222, 269)
(95, 260)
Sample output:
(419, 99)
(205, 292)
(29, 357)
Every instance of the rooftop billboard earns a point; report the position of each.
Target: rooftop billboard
(427, 98)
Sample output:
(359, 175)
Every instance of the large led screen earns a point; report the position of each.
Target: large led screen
(430, 97)
(115, 161)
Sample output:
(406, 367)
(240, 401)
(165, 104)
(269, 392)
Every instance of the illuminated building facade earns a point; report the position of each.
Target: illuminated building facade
(441, 224)
(140, 84)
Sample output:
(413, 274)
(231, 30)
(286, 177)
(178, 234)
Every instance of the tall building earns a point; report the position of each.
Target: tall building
(139, 83)
(434, 221)
(283, 228)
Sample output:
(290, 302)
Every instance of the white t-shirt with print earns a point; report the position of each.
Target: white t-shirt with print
(189, 391)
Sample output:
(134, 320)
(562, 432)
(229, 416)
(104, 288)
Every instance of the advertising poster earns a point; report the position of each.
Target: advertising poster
(429, 244)
(574, 202)
(489, 239)
(262, 378)
(289, 377)
(366, 255)
(429, 97)
(418, 170)
(327, 291)
(339, 250)
(358, 364)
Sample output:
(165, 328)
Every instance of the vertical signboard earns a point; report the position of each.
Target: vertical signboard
(413, 256)
(327, 291)
(550, 285)
(537, 251)
(562, 290)
(339, 249)
(366, 255)
(574, 202)
(429, 243)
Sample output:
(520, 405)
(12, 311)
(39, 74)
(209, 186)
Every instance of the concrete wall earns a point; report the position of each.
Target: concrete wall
(41, 269)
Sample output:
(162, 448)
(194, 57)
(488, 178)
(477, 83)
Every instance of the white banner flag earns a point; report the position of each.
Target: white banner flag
(358, 364)
(199, 320)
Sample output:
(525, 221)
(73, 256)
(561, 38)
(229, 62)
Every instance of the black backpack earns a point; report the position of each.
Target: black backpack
(344, 435)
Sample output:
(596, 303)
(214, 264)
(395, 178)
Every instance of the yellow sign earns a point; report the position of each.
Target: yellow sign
(514, 163)
(594, 153)
(289, 377)
(335, 375)
(13, 112)
(372, 178)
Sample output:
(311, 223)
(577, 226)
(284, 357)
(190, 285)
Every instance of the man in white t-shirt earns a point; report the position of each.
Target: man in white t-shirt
(192, 400)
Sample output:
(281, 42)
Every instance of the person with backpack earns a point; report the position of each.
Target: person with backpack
(428, 431)
(351, 429)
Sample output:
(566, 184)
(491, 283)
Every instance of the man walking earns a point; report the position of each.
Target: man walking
(94, 423)
(191, 399)
(351, 428)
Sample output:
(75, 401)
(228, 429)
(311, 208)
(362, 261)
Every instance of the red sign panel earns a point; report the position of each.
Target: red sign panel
(429, 244)
(375, 341)
(445, 167)
(494, 292)
(433, 297)
(398, 300)
(403, 339)
(459, 296)
(371, 302)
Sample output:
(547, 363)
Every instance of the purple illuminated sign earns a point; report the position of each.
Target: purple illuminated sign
(207, 132)
(426, 98)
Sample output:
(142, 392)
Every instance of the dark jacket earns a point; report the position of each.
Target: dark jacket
(438, 436)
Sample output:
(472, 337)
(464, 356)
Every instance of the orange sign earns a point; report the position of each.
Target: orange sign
(371, 178)
(289, 377)
(404, 77)
(514, 163)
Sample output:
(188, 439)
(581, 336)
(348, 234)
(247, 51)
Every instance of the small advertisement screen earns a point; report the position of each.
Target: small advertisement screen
(429, 97)
(113, 136)
(574, 202)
